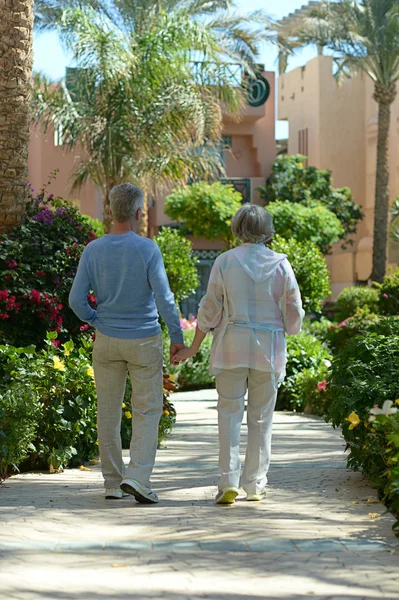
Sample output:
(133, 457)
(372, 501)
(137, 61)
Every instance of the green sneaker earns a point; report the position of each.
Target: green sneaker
(227, 495)
(256, 497)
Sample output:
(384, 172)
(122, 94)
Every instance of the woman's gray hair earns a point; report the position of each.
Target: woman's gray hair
(125, 200)
(253, 224)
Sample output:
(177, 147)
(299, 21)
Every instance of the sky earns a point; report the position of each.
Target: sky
(50, 58)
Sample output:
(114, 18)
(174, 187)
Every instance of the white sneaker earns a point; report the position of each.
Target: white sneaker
(256, 497)
(143, 494)
(227, 495)
(114, 494)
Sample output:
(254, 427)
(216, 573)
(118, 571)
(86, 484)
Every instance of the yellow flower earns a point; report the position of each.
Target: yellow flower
(397, 401)
(172, 378)
(66, 351)
(353, 420)
(128, 414)
(123, 405)
(166, 413)
(58, 364)
(228, 223)
(90, 372)
(53, 390)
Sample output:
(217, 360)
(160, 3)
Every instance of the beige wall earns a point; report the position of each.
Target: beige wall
(342, 125)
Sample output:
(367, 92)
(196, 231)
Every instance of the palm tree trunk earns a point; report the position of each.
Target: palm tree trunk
(143, 229)
(16, 27)
(107, 220)
(381, 207)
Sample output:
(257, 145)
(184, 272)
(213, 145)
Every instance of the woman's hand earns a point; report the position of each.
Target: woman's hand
(184, 354)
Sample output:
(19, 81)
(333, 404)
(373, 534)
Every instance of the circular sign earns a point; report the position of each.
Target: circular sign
(258, 90)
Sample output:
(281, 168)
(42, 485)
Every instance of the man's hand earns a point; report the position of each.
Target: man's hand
(174, 348)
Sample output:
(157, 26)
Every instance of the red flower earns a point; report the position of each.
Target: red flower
(4, 294)
(35, 296)
(12, 264)
(59, 320)
(322, 386)
(84, 327)
(4, 316)
(40, 274)
(56, 343)
(60, 307)
(91, 298)
(8, 276)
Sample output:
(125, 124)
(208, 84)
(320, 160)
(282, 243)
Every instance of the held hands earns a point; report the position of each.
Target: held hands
(174, 348)
(183, 354)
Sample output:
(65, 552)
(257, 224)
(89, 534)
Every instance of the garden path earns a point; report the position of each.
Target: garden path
(315, 535)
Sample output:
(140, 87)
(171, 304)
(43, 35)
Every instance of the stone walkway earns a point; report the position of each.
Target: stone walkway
(317, 534)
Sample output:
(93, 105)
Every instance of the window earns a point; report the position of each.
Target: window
(303, 143)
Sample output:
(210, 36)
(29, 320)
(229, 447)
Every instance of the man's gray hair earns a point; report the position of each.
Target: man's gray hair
(253, 224)
(125, 200)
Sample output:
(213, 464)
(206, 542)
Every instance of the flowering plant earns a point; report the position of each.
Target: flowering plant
(38, 261)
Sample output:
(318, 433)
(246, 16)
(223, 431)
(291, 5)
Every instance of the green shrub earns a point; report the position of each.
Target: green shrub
(310, 269)
(314, 223)
(95, 225)
(360, 323)
(180, 263)
(353, 298)
(364, 375)
(389, 294)
(38, 261)
(19, 412)
(205, 210)
(304, 353)
(292, 180)
(310, 390)
(318, 328)
(194, 373)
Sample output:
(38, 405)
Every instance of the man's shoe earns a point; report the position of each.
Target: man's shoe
(143, 494)
(114, 494)
(256, 497)
(227, 495)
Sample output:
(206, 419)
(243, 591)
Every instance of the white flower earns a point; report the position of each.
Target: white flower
(327, 362)
(385, 410)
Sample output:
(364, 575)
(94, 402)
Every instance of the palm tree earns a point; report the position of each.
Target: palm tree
(134, 103)
(364, 36)
(16, 25)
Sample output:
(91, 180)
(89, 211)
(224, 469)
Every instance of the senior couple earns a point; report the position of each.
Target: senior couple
(252, 301)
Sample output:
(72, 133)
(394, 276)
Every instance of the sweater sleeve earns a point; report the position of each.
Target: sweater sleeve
(291, 302)
(211, 306)
(164, 299)
(78, 295)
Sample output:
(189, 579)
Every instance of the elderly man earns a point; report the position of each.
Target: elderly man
(127, 275)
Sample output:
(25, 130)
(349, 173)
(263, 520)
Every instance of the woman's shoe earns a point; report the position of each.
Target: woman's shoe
(256, 497)
(114, 494)
(227, 495)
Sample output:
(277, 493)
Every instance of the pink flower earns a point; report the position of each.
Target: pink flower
(385, 296)
(4, 294)
(344, 323)
(321, 386)
(4, 316)
(84, 327)
(12, 264)
(56, 343)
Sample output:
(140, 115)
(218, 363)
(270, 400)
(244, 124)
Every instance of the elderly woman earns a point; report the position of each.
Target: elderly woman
(252, 301)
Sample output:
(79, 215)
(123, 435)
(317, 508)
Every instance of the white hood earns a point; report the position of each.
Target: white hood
(258, 261)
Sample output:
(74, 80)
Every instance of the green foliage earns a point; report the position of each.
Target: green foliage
(38, 261)
(360, 323)
(18, 423)
(389, 294)
(95, 225)
(62, 385)
(206, 210)
(353, 298)
(307, 354)
(364, 376)
(292, 181)
(318, 328)
(307, 395)
(306, 223)
(180, 263)
(310, 269)
(194, 373)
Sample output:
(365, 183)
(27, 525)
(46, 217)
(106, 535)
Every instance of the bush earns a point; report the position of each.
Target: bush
(291, 180)
(389, 294)
(360, 323)
(353, 298)
(310, 269)
(365, 376)
(18, 424)
(38, 261)
(314, 223)
(95, 225)
(205, 210)
(194, 373)
(304, 353)
(319, 329)
(180, 263)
